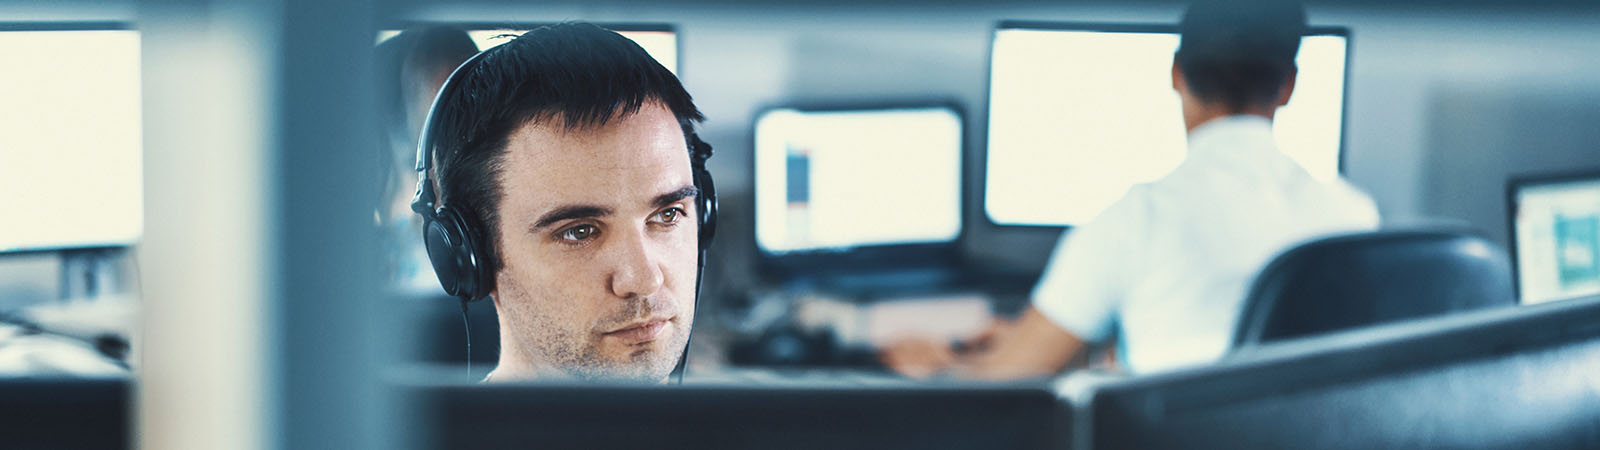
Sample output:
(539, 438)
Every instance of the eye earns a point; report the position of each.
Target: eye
(578, 233)
(669, 216)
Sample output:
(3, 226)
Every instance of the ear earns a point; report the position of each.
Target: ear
(1288, 86)
(1178, 83)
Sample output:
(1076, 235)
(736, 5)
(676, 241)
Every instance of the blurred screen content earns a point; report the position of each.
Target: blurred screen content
(70, 138)
(1557, 233)
(846, 178)
(1078, 117)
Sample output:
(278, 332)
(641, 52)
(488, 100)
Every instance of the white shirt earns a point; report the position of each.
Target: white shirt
(1168, 265)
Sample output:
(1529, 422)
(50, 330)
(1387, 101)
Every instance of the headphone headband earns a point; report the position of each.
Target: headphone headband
(425, 201)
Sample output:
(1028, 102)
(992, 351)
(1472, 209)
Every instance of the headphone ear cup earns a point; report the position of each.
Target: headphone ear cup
(707, 206)
(452, 248)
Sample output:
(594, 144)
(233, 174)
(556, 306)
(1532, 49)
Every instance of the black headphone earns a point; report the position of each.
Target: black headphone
(453, 237)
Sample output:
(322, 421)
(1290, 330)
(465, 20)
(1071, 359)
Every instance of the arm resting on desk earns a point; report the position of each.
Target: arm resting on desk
(1032, 346)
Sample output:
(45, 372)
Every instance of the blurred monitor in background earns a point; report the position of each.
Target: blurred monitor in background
(70, 138)
(1161, 273)
(838, 179)
(1078, 113)
(71, 169)
(1555, 234)
(566, 184)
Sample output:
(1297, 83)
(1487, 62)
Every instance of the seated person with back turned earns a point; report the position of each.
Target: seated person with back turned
(1165, 269)
(568, 185)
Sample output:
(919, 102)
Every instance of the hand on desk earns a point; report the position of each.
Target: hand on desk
(918, 357)
(923, 357)
(1031, 346)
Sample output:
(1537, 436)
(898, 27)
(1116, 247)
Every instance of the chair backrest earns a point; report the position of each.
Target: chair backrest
(1362, 279)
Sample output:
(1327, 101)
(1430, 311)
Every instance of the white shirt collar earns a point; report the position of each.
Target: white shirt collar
(1231, 130)
(1235, 140)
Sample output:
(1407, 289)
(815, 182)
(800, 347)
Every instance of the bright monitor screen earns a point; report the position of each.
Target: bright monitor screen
(838, 179)
(659, 41)
(1078, 115)
(70, 163)
(1556, 228)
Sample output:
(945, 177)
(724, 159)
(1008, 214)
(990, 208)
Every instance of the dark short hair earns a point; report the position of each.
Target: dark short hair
(577, 73)
(1239, 53)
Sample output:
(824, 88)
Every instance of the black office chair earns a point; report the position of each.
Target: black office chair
(1362, 279)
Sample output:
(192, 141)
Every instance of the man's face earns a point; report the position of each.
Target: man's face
(599, 242)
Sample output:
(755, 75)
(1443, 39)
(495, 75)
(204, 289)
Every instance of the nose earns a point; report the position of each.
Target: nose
(637, 266)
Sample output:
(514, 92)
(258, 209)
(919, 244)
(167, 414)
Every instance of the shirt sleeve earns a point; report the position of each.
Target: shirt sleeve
(1085, 279)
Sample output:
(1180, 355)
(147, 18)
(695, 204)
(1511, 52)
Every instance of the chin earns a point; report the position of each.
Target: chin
(644, 362)
(641, 373)
(633, 365)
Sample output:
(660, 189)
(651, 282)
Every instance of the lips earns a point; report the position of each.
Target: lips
(640, 332)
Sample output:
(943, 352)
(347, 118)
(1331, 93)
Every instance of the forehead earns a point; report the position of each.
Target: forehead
(628, 160)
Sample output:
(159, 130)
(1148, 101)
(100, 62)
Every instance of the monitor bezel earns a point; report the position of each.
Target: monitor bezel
(429, 398)
(1124, 27)
(1516, 184)
(823, 263)
(92, 25)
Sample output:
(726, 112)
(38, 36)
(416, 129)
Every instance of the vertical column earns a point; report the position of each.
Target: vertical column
(207, 260)
(258, 262)
(326, 189)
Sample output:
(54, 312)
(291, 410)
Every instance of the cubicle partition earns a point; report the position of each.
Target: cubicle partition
(1513, 378)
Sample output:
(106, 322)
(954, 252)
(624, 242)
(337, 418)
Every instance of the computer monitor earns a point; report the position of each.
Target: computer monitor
(659, 40)
(71, 167)
(1510, 378)
(1555, 236)
(737, 417)
(1078, 113)
(846, 180)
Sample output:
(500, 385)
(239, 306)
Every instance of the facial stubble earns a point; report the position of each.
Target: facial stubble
(547, 334)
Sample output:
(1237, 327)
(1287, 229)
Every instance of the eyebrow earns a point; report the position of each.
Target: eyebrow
(675, 196)
(569, 212)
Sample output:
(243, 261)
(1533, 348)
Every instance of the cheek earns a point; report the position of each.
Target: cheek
(546, 306)
(681, 264)
(556, 287)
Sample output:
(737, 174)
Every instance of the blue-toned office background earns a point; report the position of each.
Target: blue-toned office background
(1445, 100)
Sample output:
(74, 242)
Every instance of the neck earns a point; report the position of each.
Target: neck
(1197, 115)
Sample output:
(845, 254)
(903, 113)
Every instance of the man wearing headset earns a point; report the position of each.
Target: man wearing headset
(567, 184)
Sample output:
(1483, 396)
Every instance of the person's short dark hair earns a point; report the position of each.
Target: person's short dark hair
(1239, 53)
(578, 74)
